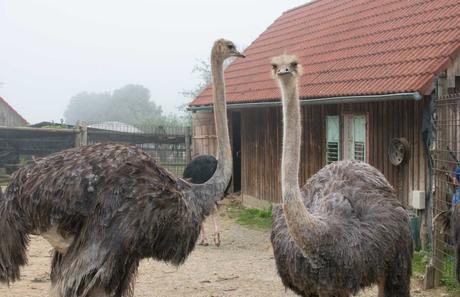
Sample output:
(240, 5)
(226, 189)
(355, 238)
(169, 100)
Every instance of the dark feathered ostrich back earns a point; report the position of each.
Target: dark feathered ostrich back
(368, 237)
(200, 169)
(116, 203)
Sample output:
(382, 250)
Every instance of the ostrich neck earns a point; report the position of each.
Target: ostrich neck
(220, 114)
(302, 225)
(205, 195)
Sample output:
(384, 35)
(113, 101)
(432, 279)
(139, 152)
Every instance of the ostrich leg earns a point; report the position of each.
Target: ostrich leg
(381, 289)
(203, 239)
(215, 221)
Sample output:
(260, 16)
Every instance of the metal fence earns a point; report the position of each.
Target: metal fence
(169, 146)
(446, 181)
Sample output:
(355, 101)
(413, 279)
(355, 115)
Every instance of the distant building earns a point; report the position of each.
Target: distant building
(115, 126)
(9, 117)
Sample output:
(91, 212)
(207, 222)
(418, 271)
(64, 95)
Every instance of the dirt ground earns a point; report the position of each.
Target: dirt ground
(242, 266)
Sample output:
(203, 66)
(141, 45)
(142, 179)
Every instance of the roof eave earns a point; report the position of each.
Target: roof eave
(414, 96)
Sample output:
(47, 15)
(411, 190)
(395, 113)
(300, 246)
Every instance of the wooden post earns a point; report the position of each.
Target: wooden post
(81, 137)
(188, 150)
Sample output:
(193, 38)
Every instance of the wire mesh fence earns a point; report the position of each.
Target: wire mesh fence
(447, 179)
(168, 145)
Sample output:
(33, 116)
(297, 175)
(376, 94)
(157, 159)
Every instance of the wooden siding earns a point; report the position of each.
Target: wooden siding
(9, 118)
(261, 137)
(203, 134)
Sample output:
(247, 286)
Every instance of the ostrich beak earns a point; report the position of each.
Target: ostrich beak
(283, 72)
(238, 54)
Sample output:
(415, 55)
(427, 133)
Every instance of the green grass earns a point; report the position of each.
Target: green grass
(421, 259)
(449, 278)
(251, 218)
(419, 262)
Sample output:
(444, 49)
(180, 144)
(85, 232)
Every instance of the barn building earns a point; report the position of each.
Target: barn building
(9, 117)
(371, 71)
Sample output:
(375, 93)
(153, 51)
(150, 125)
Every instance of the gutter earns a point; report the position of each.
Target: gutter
(416, 96)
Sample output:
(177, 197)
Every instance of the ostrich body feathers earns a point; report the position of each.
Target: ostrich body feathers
(114, 204)
(366, 240)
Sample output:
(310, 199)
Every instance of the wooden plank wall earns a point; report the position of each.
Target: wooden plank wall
(261, 144)
(203, 134)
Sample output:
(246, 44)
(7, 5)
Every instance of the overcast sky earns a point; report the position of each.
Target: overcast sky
(54, 49)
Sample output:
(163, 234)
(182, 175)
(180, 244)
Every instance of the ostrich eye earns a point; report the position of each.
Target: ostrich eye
(274, 66)
(231, 47)
(294, 64)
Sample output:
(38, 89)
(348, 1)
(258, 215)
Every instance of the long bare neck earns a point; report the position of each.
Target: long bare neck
(302, 225)
(224, 155)
(205, 195)
(291, 140)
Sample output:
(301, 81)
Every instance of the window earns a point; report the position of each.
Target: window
(352, 139)
(333, 139)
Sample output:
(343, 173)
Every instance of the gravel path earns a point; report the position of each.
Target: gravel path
(242, 266)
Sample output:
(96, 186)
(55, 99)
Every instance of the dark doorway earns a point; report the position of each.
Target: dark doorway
(236, 150)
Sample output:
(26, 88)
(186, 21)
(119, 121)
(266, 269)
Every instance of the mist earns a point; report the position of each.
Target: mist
(53, 49)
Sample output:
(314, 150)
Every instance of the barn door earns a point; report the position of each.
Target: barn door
(354, 140)
(236, 150)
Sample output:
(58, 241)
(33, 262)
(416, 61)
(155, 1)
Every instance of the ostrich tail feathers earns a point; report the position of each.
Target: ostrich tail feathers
(14, 241)
(444, 219)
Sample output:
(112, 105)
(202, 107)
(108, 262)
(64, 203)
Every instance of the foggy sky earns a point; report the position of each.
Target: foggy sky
(51, 50)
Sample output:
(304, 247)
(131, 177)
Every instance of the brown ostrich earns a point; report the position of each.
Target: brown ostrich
(105, 207)
(345, 229)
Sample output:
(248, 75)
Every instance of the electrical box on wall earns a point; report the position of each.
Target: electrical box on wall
(418, 199)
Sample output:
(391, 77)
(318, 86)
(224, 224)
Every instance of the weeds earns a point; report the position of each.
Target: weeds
(251, 218)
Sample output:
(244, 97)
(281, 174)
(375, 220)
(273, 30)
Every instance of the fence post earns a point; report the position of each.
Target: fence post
(81, 137)
(434, 271)
(188, 150)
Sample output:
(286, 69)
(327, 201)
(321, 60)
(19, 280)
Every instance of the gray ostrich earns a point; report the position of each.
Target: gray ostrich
(450, 222)
(199, 171)
(105, 207)
(450, 219)
(345, 229)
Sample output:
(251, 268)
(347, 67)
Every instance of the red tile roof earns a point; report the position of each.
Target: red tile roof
(350, 47)
(13, 111)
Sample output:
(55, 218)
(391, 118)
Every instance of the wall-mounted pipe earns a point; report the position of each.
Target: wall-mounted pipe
(317, 101)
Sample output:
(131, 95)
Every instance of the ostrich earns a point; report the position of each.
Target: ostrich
(450, 219)
(450, 222)
(198, 171)
(345, 229)
(104, 207)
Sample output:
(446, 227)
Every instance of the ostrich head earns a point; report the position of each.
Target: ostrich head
(286, 68)
(224, 49)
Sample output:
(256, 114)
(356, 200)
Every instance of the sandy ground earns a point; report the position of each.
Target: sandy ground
(242, 266)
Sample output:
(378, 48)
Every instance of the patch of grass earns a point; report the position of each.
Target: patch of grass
(251, 218)
(419, 261)
(449, 278)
